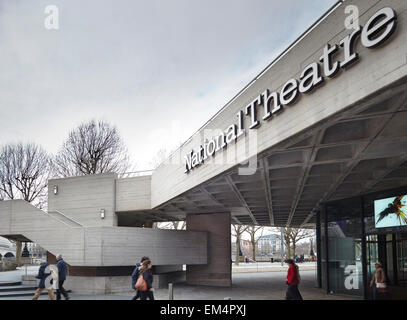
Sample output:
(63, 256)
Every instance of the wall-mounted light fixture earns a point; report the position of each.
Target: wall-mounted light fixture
(55, 190)
(102, 213)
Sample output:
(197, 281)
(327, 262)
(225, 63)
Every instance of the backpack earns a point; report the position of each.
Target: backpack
(41, 271)
(141, 284)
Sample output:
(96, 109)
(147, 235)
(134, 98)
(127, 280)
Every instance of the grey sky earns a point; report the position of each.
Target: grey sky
(157, 70)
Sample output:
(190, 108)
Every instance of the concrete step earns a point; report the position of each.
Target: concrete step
(16, 294)
(8, 284)
(17, 288)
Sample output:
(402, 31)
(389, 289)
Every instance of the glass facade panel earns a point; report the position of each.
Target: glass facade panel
(356, 240)
(401, 241)
(345, 248)
(323, 252)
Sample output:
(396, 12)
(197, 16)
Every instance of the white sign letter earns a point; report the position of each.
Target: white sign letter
(52, 20)
(351, 277)
(352, 20)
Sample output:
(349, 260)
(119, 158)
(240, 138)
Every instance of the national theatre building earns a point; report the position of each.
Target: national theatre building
(317, 140)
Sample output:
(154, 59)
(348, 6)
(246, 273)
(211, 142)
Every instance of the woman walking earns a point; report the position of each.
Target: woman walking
(378, 282)
(147, 274)
(293, 280)
(44, 272)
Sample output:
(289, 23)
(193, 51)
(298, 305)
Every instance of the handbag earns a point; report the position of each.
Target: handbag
(141, 284)
(381, 285)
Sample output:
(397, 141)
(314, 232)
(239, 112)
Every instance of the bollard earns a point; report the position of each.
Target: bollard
(170, 291)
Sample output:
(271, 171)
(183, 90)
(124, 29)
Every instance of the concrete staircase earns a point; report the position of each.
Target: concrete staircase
(16, 290)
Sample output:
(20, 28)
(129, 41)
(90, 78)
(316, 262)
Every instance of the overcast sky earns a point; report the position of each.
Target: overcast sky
(158, 70)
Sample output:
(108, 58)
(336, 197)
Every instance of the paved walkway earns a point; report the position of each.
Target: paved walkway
(15, 275)
(251, 286)
(246, 286)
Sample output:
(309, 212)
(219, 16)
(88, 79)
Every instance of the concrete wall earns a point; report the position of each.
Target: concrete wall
(218, 271)
(376, 69)
(125, 246)
(133, 193)
(102, 246)
(48, 232)
(82, 198)
(116, 284)
(98, 285)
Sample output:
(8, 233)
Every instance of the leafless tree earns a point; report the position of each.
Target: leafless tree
(92, 148)
(292, 236)
(24, 173)
(175, 225)
(252, 231)
(237, 231)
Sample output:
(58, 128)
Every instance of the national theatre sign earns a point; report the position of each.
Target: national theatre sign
(376, 31)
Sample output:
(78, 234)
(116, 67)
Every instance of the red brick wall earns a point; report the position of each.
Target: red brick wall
(218, 271)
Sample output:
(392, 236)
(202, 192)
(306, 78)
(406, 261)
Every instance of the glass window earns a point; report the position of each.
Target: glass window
(345, 247)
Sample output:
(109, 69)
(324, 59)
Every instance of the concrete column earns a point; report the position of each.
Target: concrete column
(218, 271)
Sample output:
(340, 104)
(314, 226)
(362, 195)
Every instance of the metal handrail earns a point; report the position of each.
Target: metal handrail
(65, 216)
(135, 174)
(52, 217)
(271, 64)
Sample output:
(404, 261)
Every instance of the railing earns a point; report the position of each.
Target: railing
(135, 174)
(65, 217)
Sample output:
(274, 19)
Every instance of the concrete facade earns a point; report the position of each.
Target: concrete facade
(133, 194)
(101, 246)
(83, 198)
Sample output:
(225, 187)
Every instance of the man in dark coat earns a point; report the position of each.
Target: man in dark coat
(135, 275)
(61, 265)
(43, 274)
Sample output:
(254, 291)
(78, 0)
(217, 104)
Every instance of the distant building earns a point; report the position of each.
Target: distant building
(5, 244)
(6, 247)
(270, 243)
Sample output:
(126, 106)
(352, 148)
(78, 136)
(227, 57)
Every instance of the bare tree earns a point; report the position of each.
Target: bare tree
(252, 231)
(92, 148)
(24, 173)
(237, 231)
(291, 238)
(7, 188)
(175, 225)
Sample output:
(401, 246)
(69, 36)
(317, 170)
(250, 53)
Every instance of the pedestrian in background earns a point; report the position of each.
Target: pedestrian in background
(61, 265)
(135, 275)
(293, 280)
(379, 282)
(42, 276)
(147, 274)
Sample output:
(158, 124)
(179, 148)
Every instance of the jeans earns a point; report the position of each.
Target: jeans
(61, 290)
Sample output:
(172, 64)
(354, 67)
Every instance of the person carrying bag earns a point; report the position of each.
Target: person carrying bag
(379, 282)
(145, 281)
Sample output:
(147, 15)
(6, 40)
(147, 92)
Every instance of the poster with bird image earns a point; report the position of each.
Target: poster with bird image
(391, 212)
